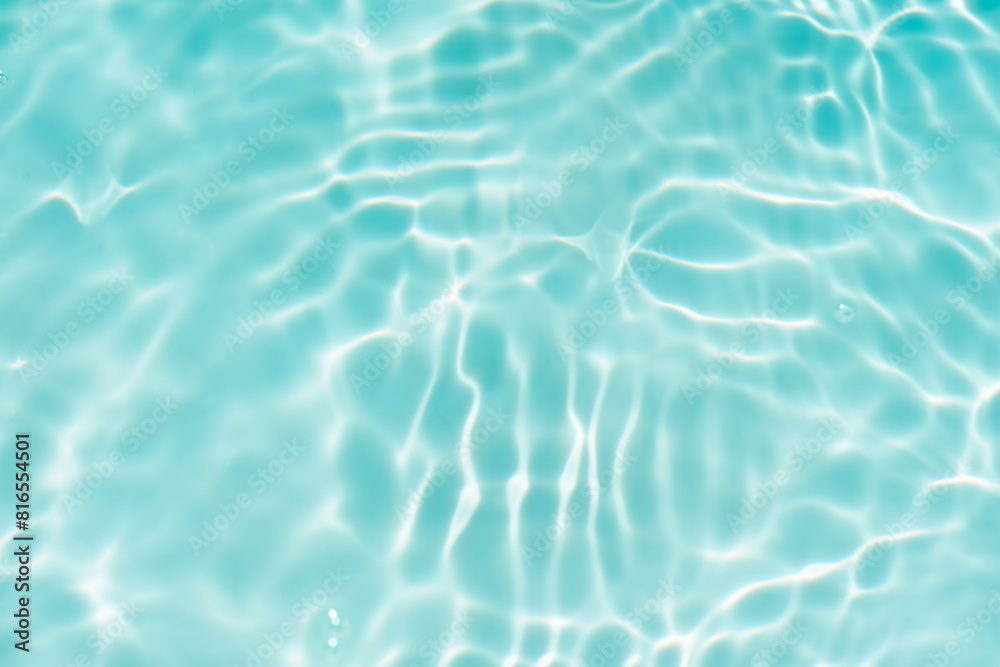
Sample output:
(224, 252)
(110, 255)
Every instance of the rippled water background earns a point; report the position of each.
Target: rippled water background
(516, 333)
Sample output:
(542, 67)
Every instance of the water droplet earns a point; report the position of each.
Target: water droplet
(3, 79)
(332, 642)
(333, 617)
(844, 313)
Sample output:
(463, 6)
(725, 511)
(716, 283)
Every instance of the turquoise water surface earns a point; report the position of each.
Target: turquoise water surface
(557, 333)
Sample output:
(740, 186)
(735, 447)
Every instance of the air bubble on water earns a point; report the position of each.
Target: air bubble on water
(844, 313)
(332, 642)
(333, 617)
